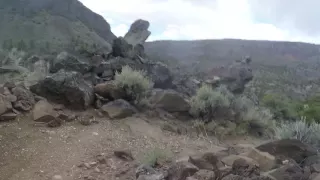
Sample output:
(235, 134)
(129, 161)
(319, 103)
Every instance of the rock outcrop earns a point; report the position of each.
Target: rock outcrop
(66, 87)
(13, 100)
(109, 90)
(69, 62)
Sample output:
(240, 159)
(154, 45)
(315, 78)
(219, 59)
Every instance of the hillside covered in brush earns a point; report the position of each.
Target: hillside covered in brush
(290, 68)
(50, 25)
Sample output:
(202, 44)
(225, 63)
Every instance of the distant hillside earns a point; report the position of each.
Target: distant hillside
(291, 68)
(54, 23)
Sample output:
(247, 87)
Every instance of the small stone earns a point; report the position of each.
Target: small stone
(58, 107)
(124, 154)
(181, 170)
(285, 162)
(55, 123)
(57, 177)
(97, 170)
(43, 112)
(93, 163)
(95, 133)
(87, 165)
(101, 159)
(67, 117)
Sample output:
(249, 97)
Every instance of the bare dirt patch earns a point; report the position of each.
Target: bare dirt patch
(30, 152)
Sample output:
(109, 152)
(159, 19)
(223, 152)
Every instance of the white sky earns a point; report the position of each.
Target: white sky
(209, 19)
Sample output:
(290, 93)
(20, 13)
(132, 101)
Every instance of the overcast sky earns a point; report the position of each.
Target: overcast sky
(290, 20)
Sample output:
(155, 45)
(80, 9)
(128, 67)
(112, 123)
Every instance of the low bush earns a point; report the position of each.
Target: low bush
(133, 82)
(207, 102)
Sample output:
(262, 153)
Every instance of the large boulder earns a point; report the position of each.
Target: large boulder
(68, 88)
(266, 161)
(25, 98)
(109, 90)
(289, 148)
(169, 100)
(69, 62)
(235, 76)
(118, 109)
(138, 32)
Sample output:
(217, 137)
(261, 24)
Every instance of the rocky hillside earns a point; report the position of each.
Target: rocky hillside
(284, 67)
(51, 24)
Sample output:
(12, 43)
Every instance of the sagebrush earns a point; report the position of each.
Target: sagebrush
(133, 82)
(207, 101)
(302, 130)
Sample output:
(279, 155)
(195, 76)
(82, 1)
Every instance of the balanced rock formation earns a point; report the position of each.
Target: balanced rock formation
(138, 32)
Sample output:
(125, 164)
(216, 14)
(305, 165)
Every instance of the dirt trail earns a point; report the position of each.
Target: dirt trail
(38, 153)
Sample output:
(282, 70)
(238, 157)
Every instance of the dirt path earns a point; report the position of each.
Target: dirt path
(38, 153)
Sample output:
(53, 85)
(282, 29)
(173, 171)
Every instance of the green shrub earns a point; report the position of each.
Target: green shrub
(302, 130)
(134, 83)
(207, 101)
(282, 108)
